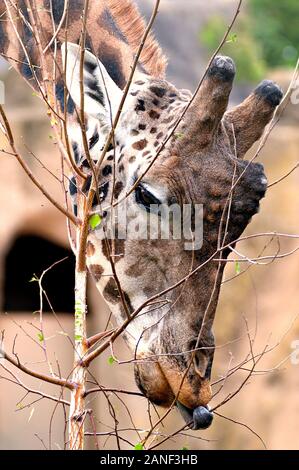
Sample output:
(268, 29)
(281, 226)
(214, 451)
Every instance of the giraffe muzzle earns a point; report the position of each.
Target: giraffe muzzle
(199, 418)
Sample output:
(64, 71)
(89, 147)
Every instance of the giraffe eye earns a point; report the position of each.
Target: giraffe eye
(145, 198)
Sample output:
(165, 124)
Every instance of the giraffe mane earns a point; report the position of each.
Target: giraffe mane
(133, 26)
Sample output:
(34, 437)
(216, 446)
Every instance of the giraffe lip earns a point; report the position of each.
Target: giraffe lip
(199, 418)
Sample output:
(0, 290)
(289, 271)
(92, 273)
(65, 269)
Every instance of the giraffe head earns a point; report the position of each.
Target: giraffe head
(201, 165)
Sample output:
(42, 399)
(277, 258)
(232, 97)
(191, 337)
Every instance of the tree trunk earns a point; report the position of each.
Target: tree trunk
(77, 414)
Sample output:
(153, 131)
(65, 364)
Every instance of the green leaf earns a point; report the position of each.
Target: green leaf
(237, 267)
(40, 337)
(185, 448)
(78, 338)
(139, 446)
(111, 360)
(95, 221)
(232, 38)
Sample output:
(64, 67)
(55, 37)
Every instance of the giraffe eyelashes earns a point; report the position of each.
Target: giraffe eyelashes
(145, 199)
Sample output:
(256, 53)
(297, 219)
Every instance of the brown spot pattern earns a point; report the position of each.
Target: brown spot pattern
(158, 91)
(90, 249)
(153, 114)
(96, 270)
(116, 247)
(140, 145)
(118, 189)
(110, 293)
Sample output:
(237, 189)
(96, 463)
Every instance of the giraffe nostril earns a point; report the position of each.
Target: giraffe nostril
(200, 359)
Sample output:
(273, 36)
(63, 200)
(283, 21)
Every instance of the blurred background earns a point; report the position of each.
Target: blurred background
(264, 44)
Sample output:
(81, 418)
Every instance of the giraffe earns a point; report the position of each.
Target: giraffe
(172, 341)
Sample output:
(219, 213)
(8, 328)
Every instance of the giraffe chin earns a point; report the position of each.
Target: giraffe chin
(163, 386)
(190, 394)
(199, 418)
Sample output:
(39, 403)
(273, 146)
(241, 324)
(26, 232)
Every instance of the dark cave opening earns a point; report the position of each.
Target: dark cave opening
(29, 256)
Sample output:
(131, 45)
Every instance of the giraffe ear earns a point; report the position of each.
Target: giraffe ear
(101, 95)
